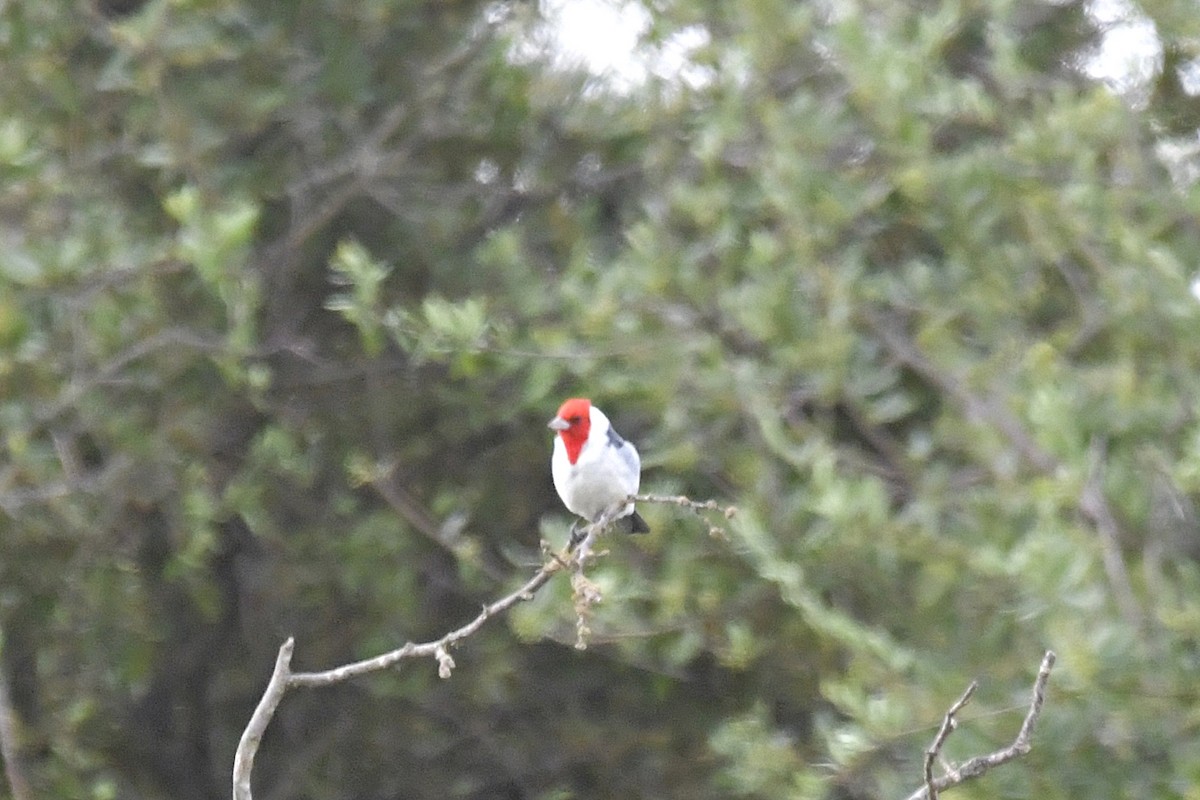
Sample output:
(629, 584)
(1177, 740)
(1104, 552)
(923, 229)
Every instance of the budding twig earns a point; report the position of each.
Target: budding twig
(586, 594)
(697, 507)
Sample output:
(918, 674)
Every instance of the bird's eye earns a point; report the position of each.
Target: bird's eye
(575, 420)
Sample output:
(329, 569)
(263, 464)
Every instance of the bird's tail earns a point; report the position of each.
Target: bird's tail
(633, 523)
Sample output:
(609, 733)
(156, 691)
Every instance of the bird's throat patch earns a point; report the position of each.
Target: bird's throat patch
(574, 444)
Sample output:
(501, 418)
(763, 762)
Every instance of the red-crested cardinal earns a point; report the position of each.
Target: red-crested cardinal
(593, 467)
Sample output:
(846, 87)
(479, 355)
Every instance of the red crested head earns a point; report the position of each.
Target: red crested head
(573, 423)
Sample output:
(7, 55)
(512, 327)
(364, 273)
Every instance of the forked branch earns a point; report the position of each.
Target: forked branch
(977, 766)
(282, 678)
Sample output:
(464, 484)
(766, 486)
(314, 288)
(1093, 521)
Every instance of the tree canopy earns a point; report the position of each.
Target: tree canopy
(289, 289)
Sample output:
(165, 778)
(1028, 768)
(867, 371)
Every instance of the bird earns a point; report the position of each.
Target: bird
(593, 467)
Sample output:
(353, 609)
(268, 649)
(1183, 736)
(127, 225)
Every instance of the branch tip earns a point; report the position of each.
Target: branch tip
(979, 765)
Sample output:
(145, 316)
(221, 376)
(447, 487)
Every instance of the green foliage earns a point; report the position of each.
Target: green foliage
(288, 290)
(354, 268)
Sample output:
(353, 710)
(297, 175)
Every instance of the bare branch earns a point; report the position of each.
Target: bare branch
(684, 501)
(583, 548)
(283, 679)
(979, 765)
(584, 592)
(949, 723)
(697, 507)
(243, 757)
(429, 649)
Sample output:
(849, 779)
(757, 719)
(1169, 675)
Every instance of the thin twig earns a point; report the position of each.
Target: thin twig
(979, 765)
(594, 529)
(428, 649)
(584, 592)
(949, 723)
(697, 507)
(684, 501)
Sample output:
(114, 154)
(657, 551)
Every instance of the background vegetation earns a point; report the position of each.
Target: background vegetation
(289, 289)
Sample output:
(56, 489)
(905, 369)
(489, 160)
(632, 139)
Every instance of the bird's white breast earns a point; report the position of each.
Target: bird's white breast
(598, 479)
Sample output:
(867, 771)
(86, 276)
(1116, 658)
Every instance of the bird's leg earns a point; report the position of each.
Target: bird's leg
(577, 536)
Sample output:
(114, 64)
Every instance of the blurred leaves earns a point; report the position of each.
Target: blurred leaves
(288, 291)
(363, 277)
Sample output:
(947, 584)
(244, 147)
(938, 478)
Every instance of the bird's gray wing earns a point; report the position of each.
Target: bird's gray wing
(627, 452)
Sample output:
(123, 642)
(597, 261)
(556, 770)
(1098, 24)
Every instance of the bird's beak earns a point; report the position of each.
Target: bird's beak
(558, 424)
